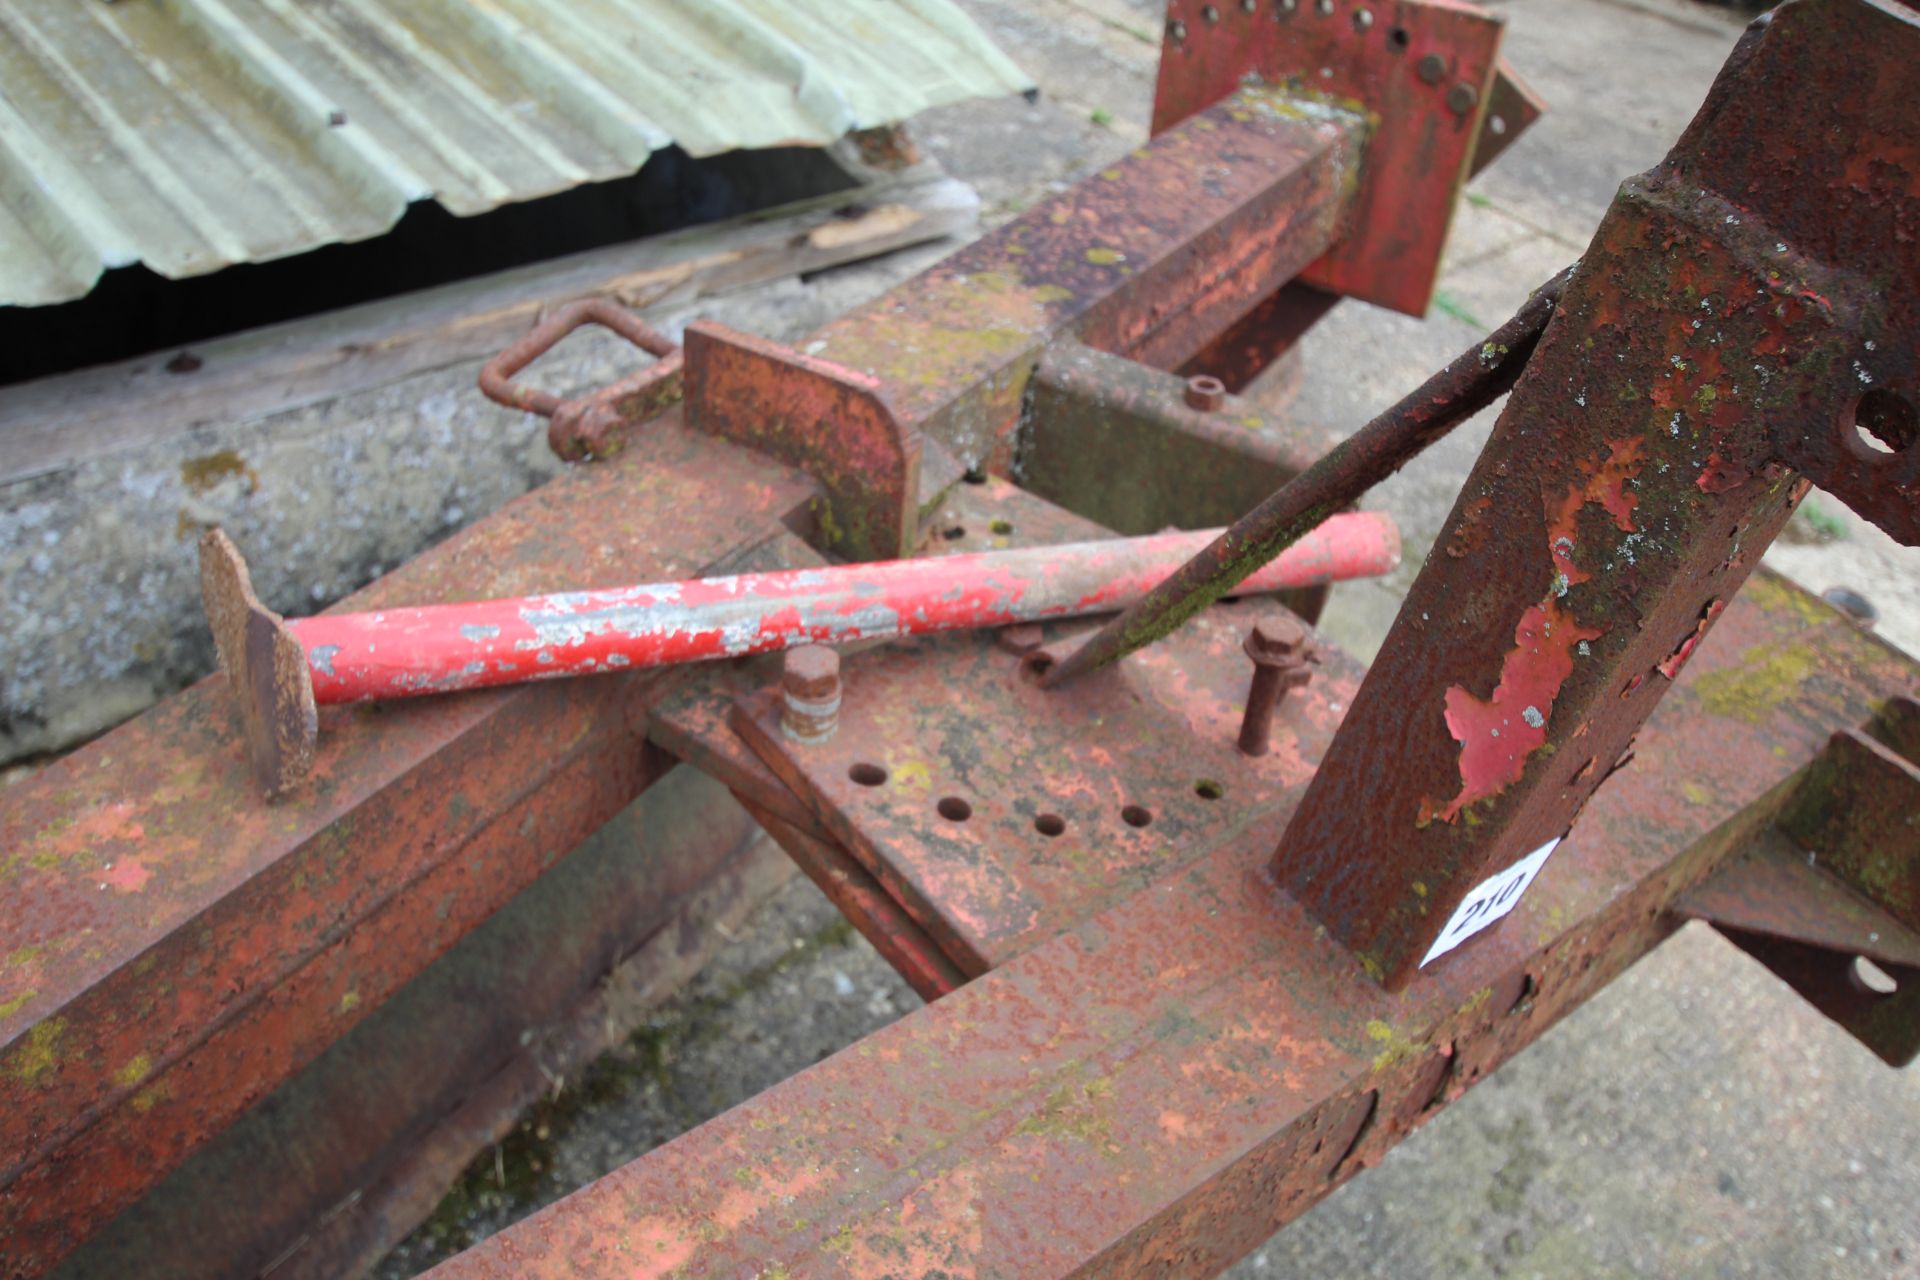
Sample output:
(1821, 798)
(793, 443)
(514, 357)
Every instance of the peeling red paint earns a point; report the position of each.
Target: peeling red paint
(1496, 735)
(1670, 667)
(1606, 484)
(126, 875)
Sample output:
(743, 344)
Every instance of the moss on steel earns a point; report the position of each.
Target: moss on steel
(1767, 677)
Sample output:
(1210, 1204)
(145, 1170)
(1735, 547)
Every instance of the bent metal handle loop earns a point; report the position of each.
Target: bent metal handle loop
(497, 374)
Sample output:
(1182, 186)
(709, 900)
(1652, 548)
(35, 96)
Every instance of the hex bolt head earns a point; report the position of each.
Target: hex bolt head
(1205, 393)
(810, 694)
(1431, 69)
(1461, 98)
(1277, 640)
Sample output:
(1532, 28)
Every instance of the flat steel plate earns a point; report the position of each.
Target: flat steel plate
(999, 813)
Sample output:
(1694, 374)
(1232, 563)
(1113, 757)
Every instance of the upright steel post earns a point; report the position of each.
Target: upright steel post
(1709, 346)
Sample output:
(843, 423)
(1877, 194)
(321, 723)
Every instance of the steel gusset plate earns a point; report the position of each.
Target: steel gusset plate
(1000, 814)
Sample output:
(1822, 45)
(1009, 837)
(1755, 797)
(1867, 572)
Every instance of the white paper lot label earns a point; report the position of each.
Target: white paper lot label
(1491, 898)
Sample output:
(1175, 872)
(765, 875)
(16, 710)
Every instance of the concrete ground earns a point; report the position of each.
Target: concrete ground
(1696, 1119)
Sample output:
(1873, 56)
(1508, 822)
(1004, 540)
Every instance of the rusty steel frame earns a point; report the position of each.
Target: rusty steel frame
(1155, 1076)
(1154, 1082)
(174, 949)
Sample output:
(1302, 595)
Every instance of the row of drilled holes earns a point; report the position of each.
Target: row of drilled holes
(1397, 39)
(955, 809)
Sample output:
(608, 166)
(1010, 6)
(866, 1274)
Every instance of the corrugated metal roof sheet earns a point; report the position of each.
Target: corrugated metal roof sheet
(191, 134)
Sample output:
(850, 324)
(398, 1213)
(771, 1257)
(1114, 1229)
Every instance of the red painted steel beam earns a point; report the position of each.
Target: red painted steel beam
(430, 649)
(172, 947)
(1158, 1088)
(1739, 309)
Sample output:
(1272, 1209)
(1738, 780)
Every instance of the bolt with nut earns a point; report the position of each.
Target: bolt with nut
(1282, 662)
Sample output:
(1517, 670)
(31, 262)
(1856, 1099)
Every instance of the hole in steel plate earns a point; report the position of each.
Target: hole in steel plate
(1528, 989)
(954, 534)
(1050, 825)
(1869, 977)
(1362, 20)
(1398, 40)
(1496, 125)
(1210, 13)
(867, 775)
(1037, 663)
(975, 476)
(1002, 527)
(954, 809)
(1324, 8)
(1208, 789)
(1136, 816)
(1883, 422)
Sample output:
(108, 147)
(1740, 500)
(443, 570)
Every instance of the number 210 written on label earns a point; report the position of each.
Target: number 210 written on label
(1488, 901)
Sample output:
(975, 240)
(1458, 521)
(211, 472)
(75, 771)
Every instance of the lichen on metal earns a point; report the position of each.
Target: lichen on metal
(188, 135)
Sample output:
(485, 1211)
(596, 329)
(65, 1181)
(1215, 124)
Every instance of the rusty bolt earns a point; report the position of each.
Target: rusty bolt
(1461, 97)
(1205, 394)
(1431, 68)
(1281, 663)
(810, 694)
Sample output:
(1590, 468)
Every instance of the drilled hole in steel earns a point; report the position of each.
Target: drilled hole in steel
(1528, 989)
(1050, 825)
(1208, 789)
(1324, 8)
(1001, 527)
(1362, 20)
(1037, 663)
(867, 775)
(1136, 816)
(1398, 40)
(975, 476)
(1285, 8)
(954, 534)
(954, 809)
(1249, 6)
(1882, 422)
(1496, 125)
(1869, 977)
(1210, 13)
(1178, 30)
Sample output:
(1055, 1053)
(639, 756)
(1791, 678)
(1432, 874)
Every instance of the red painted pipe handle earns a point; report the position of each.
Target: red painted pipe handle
(496, 376)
